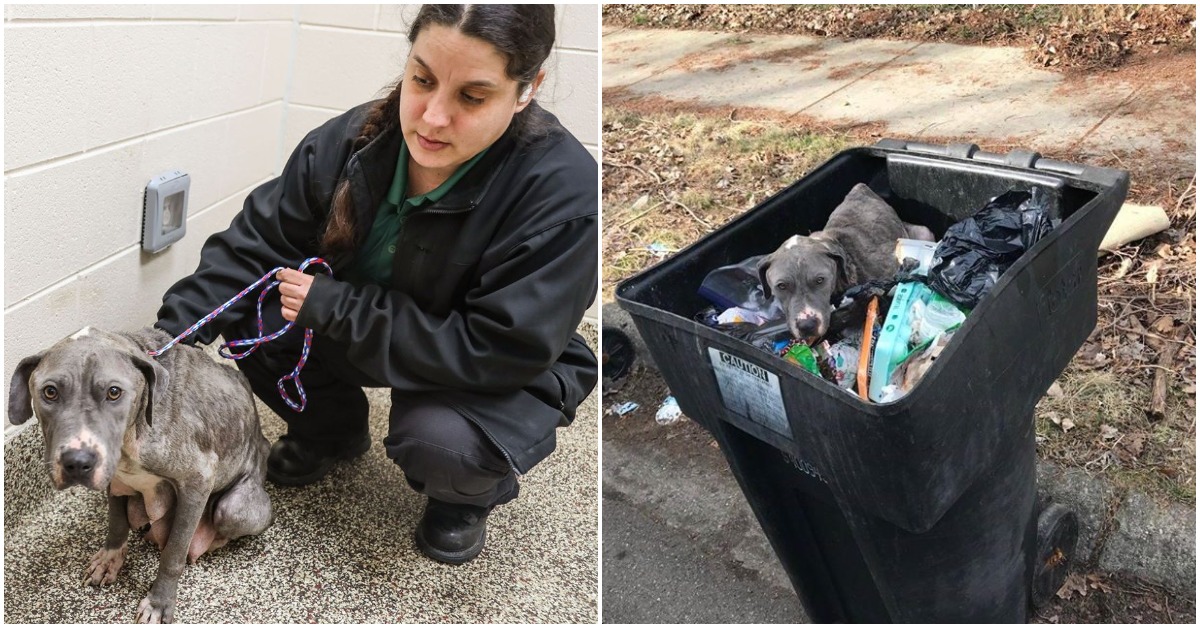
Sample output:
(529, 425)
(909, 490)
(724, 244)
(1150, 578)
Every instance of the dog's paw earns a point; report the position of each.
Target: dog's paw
(105, 566)
(155, 612)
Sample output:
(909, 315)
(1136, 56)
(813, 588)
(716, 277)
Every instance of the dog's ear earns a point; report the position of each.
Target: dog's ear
(157, 381)
(847, 274)
(20, 406)
(763, 265)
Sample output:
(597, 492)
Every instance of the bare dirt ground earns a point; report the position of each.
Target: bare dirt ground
(674, 173)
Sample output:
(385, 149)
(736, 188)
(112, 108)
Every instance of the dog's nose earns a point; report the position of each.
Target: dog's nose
(808, 326)
(77, 464)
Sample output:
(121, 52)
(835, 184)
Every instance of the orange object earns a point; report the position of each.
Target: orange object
(864, 354)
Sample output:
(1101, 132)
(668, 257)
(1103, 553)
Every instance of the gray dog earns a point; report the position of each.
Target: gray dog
(857, 245)
(175, 440)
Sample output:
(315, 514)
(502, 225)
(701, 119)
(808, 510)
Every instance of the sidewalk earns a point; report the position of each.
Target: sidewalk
(915, 90)
(340, 551)
(906, 90)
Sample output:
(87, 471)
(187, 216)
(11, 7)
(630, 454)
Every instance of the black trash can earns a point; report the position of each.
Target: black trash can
(922, 509)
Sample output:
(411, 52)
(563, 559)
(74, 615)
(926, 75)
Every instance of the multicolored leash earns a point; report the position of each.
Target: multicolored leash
(254, 343)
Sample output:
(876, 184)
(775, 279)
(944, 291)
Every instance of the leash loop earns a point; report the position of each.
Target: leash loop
(254, 343)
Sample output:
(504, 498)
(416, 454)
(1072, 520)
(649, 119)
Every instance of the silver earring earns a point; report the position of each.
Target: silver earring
(527, 93)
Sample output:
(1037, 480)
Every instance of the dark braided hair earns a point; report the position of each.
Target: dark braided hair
(524, 34)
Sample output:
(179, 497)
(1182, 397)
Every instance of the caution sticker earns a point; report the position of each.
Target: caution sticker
(750, 390)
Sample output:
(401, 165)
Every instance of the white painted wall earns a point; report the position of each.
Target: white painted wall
(100, 99)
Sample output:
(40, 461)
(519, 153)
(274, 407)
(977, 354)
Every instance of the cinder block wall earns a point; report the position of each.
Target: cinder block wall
(100, 99)
(346, 55)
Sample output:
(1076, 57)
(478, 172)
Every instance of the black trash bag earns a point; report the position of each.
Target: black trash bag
(770, 334)
(851, 309)
(851, 312)
(741, 331)
(764, 336)
(977, 250)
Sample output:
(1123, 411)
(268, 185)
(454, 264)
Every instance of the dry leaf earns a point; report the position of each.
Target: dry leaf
(1067, 425)
(1108, 432)
(1131, 448)
(1074, 584)
(1136, 444)
(1164, 326)
(1096, 581)
(1055, 391)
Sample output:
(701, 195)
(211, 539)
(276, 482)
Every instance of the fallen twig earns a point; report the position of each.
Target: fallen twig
(638, 168)
(648, 210)
(1118, 158)
(688, 210)
(1183, 197)
(1148, 334)
(1166, 358)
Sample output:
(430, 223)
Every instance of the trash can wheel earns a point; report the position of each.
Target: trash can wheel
(618, 354)
(1057, 531)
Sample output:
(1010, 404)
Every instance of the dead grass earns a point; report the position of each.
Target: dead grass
(670, 178)
(1099, 424)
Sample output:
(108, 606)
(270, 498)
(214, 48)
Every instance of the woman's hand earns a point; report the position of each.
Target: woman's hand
(293, 289)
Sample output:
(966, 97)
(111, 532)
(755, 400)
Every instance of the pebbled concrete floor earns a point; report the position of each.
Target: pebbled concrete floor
(340, 551)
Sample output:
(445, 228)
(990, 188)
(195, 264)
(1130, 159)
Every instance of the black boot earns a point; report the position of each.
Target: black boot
(452, 533)
(295, 462)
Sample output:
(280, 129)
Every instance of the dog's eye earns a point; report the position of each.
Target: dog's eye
(114, 393)
(781, 286)
(50, 393)
(818, 281)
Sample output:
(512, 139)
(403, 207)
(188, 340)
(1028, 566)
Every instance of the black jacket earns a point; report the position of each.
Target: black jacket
(488, 287)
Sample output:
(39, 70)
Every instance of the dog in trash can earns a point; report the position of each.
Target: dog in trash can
(174, 440)
(856, 245)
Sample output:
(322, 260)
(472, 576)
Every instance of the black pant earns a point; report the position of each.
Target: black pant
(443, 454)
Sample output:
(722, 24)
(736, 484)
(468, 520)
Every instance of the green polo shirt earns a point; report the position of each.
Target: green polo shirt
(373, 263)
